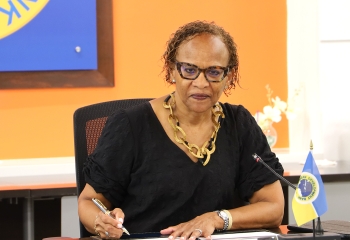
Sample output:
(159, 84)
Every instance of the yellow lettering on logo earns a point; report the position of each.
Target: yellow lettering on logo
(15, 14)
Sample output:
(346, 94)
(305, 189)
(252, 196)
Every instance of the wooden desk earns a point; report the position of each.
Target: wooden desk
(281, 230)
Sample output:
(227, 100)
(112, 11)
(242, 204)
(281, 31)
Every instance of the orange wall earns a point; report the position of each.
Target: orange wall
(38, 122)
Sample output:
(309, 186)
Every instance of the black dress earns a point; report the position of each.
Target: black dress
(140, 170)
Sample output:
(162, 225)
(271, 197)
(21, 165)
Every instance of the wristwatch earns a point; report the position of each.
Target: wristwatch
(224, 217)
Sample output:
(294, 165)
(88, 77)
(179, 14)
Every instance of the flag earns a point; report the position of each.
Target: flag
(309, 201)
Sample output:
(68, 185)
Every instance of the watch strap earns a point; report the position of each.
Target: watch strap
(223, 215)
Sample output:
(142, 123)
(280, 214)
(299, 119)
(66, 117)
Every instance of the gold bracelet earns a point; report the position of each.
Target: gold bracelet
(97, 233)
(229, 219)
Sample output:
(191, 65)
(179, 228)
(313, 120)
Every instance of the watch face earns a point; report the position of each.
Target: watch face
(223, 214)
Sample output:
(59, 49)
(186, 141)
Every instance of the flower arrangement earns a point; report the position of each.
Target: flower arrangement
(272, 112)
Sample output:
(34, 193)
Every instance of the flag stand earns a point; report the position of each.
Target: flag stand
(319, 229)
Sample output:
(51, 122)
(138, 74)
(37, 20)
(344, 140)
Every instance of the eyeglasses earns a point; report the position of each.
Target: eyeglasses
(211, 74)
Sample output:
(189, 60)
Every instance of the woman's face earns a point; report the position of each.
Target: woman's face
(204, 51)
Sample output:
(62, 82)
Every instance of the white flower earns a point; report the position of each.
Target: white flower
(273, 111)
(279, 104)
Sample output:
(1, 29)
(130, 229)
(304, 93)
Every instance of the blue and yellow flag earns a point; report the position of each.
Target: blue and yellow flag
(309, 200)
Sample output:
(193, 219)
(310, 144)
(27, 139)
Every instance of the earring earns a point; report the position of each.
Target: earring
(173, 81)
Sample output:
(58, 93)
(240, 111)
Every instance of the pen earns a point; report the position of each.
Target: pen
(102, 207)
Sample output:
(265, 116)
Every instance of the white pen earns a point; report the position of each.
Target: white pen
(103, 208)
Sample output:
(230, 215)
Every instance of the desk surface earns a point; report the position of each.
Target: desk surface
(281, 230)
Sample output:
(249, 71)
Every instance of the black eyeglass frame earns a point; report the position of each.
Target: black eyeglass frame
(225, 69)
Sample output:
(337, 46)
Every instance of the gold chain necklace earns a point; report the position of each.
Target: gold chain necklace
(209, 146)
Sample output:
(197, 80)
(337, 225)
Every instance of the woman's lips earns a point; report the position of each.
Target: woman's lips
(199, 96)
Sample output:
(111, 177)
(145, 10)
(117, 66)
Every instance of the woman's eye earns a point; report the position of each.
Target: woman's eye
(213, 72)
(190, 70)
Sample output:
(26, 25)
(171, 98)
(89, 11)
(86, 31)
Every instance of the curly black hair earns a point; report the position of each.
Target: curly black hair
(188, 32)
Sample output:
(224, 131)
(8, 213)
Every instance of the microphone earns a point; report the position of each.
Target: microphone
(258, 159)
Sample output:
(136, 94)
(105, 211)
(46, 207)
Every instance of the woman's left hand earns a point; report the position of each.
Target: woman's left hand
(201, 226)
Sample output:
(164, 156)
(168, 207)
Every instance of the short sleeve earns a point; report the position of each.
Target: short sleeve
(253, 175)
(108, 168)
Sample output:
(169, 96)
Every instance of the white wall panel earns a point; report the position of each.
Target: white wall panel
(334, 19)
(335, 79)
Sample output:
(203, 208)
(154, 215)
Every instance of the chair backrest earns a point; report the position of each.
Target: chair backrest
(88, 124)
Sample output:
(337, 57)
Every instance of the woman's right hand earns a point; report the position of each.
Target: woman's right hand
(95, 221)
(108, 227)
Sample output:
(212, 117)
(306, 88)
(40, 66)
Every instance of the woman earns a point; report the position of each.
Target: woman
(173, 164)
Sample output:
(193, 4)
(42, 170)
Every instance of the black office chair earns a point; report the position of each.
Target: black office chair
(88, 124)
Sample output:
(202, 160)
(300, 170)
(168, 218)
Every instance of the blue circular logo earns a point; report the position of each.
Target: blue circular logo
(308, 188)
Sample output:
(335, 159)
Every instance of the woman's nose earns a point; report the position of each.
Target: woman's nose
(201, 81)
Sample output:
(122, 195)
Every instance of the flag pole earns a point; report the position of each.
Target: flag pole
(319, 229)
(313, 221)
